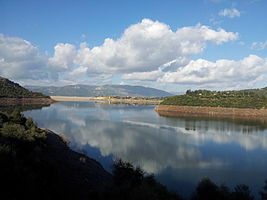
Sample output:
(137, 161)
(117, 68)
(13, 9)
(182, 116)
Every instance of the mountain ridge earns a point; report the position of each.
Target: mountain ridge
(104, 90)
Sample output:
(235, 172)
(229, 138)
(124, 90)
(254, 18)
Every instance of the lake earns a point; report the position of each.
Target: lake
(179, 151)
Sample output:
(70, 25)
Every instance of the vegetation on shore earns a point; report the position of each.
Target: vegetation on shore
(32, 168)
(36, 164)
(9, 89)
(29, 169)
(255, 99)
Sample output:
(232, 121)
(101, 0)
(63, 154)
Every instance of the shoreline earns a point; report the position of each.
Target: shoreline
(214, 112)
(25, 101)
(107, 100)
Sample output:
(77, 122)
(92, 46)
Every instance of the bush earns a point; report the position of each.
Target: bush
(208, 190)
(242, 192)
(263, 193)
(133, 183)
(18, 134)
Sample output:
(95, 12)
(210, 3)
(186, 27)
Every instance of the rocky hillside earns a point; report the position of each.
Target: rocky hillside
(106, 90)
(38, 164)
(9, 89)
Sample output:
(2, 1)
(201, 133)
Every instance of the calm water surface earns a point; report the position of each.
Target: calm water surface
(178, 151)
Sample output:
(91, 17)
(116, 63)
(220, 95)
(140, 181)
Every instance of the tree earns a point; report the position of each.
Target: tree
(263, 193)
(242, 192)
(206, 190)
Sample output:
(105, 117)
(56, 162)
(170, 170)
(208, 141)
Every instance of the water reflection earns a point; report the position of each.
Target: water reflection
(21, 108)
(179, 150)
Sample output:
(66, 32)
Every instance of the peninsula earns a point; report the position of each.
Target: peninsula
(238, 104)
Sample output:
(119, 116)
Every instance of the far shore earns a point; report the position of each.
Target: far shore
(108, 100)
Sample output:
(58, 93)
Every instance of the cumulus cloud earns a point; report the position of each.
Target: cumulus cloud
(230, 73)
(63, 57)
(148, 76)
(231, 13)
(19, 59)
(148, 50)
(22, 61)
(148, 45)
(259, 45)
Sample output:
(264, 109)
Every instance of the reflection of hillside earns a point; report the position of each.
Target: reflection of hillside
(221, 124)
(191, 123)
(22, 108)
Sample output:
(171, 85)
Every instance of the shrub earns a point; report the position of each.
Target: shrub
(133, 183)
(263, 193)
(242, 192)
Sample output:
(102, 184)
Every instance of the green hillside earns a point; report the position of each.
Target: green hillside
(252, 98)
(10, 89)
(261, 91)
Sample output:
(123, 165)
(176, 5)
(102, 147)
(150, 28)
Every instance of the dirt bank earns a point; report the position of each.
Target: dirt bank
(25, 101)
(197, 111)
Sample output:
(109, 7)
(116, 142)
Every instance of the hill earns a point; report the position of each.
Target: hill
(106, 90)
(252, 98)
(261, 91)
(38, 164)
(9, 89)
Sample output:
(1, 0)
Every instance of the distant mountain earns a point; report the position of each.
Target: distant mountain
(106, 90)
(10, 89)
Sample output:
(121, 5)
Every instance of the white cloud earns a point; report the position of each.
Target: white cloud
(241, 43)
(148, 45)
(223, 73)
(148, 50)
(246, 71)
(259, 45)
(19, 59)
(231, 13)
(156, 74)
(63, 57)
(78, 71)
(148, 76)
(22, 61)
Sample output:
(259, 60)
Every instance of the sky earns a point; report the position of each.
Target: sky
(172, 45)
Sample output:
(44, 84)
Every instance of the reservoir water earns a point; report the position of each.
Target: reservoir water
(179, 151)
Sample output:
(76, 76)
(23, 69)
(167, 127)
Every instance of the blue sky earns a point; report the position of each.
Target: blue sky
(173, 45)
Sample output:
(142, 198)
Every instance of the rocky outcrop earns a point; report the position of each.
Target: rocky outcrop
(197, 111)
